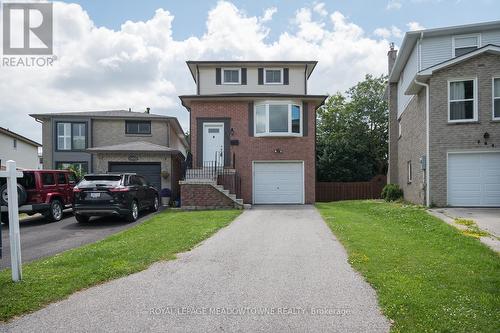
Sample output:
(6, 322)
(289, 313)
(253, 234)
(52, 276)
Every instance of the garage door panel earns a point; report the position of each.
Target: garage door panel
(278, 183)
(474, 179)
(150, 171)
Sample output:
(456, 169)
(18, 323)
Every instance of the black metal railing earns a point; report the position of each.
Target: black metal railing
(215, 170)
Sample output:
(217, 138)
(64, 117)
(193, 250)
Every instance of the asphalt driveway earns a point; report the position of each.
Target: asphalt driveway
(40, 238)
(274, 269)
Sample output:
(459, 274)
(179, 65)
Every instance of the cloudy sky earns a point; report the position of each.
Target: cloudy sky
(117, 54)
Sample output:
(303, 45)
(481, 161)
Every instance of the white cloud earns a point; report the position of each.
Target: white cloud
(268, 14)
(413, 26)
(142, 65)
(394, 4)
(387, 33)
(320, 9)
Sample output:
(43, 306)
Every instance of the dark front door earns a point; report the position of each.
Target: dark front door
(150, 171)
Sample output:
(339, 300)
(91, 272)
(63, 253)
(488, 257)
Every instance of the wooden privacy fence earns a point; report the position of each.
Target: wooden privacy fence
(336, 191)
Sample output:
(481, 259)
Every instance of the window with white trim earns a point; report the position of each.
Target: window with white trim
(496, 98)
(273, 75)
(462, 100)
(399, 128)
(231, 75)
(278, 119)
(409, 172)
(465, 44)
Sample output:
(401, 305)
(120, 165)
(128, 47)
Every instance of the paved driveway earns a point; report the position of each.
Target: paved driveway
(40, 238)
(487, 219)
(275, 269)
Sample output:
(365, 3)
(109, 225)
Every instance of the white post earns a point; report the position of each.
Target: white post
(14, 237)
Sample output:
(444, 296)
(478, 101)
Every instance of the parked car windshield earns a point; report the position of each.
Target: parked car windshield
(100, 180)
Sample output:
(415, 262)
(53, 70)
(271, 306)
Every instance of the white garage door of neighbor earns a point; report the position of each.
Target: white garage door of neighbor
(278, 183)
(474, 179)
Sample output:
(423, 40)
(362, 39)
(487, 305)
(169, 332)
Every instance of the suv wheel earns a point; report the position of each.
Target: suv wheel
(81, 218)
(156, 204)
(55, 212)
(21, 195)
(134, 212)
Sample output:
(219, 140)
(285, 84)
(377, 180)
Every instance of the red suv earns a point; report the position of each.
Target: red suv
(41, 191)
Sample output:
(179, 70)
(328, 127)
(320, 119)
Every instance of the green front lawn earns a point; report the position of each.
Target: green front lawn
(428, 276)
(132, 250)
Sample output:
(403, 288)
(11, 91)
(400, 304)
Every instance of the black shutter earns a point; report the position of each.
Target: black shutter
(217, 76)
(285, 76)
(250, 119)
(305, 119)
(243, 76)
(261, 75)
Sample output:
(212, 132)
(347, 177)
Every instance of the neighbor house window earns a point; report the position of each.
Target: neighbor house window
(81, 167)
(138, 127)
(465, 44)
(273, 75)
(231, 76)
(410, 172)
(14, 143)
(496, 98)
(278, 118)
(399, 128)
(462, 101)
(71, 136)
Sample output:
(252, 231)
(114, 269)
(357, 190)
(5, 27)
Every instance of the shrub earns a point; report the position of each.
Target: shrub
(392, 192)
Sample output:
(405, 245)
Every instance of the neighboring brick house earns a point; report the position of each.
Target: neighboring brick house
(115, 141)
(444, 116)
(258, 117)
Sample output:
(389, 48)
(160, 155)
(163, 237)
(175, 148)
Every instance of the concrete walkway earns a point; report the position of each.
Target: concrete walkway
(274, 269)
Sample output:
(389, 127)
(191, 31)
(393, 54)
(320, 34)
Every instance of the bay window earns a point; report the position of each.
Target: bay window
(462, 100)
(278, 119)
(496, 98)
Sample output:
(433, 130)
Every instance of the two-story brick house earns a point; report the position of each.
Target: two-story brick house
(258, 116)
(115, 141)
(444, 110)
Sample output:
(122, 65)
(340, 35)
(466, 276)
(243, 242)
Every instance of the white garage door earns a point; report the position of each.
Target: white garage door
(474, 179)
(278, 183)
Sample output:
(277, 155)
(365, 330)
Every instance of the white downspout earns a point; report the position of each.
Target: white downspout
(427, 159)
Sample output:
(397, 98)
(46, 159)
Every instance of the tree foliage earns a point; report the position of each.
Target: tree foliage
(352, 133)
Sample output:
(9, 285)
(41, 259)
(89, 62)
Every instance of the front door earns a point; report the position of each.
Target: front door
(213, 142)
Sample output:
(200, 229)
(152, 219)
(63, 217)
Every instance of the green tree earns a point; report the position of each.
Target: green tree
(352, 133)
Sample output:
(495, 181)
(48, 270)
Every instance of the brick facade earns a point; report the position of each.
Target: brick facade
(411, 147)
(204, 196)
(446, 136)
(252, 148)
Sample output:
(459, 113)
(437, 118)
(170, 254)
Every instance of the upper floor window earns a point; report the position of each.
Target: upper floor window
(273, 76)
(14, 143)
(462, 100)
(231, 75)
(278, 119)
(137, 127)
(465, 44)
(496, 98)
(409, 173)
(71, 136)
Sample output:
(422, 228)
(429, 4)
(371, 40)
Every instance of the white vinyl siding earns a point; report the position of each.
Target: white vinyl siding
(435, 50)
(405, 79)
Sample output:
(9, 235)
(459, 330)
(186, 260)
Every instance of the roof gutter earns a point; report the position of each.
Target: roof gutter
(427, 126)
